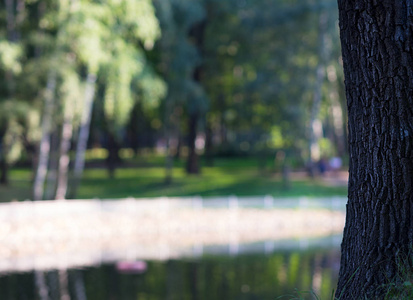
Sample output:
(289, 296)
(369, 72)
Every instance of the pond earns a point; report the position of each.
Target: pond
(261, 270)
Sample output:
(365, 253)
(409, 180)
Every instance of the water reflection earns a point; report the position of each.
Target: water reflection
(216, 274)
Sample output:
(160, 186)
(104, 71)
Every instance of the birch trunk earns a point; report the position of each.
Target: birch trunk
(44, 149)
(83, 133)
(65, 142)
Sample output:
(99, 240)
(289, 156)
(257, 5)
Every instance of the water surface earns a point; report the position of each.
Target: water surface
(255, 271)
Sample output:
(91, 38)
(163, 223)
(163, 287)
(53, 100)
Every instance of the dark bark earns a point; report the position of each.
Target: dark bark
(192, 164)
(9, 78)
(4, 178)
(3, 162)
(178, 150)
(113, 159)
(197, 34)
(168, 136)
(209, 156)
(10, 20)
(51, 180)
(377, 47)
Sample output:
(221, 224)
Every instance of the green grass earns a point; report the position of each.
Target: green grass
(18, 188)
(144, 177)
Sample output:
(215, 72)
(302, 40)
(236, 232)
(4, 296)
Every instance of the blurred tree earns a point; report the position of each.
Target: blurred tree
(244, 72)
(182, 25)
(60, 62)
(91, 29)
(69, 41)
(128, 76)
(120, 27)
(10, 67)
(257, 80)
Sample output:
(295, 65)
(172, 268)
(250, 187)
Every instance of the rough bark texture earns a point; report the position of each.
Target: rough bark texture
(376, 39)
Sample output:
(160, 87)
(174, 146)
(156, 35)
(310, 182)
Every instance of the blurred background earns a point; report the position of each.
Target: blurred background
(115, 99)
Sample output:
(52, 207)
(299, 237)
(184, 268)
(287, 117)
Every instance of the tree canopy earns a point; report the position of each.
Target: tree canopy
(189, 77)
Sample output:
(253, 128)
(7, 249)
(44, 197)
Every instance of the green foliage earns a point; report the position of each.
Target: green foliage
(131, 22)
(179, 55)
(15, 116)
(254, 61)
(10, 56)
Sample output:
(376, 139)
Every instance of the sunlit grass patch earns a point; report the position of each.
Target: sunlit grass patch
(144, 176)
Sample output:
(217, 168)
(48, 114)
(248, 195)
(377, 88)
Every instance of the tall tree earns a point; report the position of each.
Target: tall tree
(377, 48)
(316, 130)
(113, 49)
(60, 63)
(128, 75)
(89, 46)
(10, 66)
(182, 25)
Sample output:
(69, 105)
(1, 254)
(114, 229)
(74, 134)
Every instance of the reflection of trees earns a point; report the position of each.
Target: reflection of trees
(251, 276)
(78, 285)
(41, 285)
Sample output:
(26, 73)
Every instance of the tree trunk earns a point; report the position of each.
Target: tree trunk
(10, 84)
(377, 53)
(168, 162)
(169, 129)
(197, 33)
(41, 170)
(10, 20)
(178, 146)
(209, 156)
(83, 133)
(192, 165)
(336, 111)
(64, 159)
(4, 179)
(113, 158)
(51, 180)
(316, 131)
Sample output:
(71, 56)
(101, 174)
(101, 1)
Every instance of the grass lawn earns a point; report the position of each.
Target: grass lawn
(144, 177)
